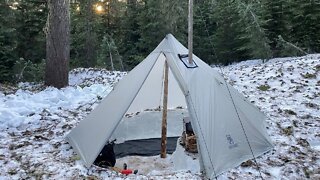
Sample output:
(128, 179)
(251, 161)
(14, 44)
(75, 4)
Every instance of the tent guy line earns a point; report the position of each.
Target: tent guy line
(244, 131)
(222, 73)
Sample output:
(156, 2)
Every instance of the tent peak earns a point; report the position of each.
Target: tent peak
(169, 36)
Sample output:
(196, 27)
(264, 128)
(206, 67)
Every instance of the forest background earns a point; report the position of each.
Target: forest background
(118, 34)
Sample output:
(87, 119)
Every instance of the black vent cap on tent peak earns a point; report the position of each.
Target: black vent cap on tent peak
(185, 60)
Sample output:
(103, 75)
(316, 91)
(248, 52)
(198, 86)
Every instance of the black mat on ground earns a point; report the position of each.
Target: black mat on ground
(144, 147)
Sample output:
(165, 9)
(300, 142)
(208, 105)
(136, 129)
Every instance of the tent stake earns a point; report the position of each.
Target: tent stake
(164, 113)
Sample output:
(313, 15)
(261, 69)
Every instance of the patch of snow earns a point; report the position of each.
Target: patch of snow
(185, 161)
(34, 121)
(315, 144)
(82, 76)
(24, 106)
(275, 172)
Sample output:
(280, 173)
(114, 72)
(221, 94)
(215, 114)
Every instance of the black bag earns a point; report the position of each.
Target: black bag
(107, 157)
(189, 129)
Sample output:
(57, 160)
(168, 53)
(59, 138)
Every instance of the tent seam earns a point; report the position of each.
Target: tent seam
(136, 94)
(202, 136)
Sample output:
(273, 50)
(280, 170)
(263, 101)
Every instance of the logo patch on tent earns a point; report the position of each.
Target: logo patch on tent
(231, 142)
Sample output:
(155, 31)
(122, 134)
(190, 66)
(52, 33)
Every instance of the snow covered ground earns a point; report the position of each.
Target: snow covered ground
(34, 121)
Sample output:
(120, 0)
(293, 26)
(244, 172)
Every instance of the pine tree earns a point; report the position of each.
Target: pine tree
(130, 35)
(228, 38)
(108, 55)
(84, 39)
(159, 18)
(8, 42)
(258, 44)
(152, 25)
(204, 29)
(174, 14)
(110, 32)
(305, 24)
(30, 21)
(276, 16)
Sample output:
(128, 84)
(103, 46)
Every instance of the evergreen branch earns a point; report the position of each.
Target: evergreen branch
(253, 15)
(292, 45)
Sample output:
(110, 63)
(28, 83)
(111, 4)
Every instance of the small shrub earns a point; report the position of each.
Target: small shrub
(12, 171)
(311, 105)
(75, 158)
(306, 172)
(264, 87)
(287, 131)
(309, 76)
(288, 111)
(247, 163)
(25, 70)
(303, 142)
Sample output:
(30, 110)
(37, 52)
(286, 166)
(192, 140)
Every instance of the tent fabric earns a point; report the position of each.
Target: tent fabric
(212, 104)
(147, 125)
(222, 142)
(154, 81)
(92, 133)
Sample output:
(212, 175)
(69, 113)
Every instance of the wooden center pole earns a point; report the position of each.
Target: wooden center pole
(190, 31)
(164, 113)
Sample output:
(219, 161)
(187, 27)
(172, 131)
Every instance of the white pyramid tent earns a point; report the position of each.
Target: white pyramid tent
(212, 106)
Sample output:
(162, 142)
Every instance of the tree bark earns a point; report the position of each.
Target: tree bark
(110, 54)
(111, 61)
(58, 43)
(164, 114)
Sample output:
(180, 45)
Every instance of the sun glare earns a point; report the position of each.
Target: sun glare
(99, 8)
(14, 5)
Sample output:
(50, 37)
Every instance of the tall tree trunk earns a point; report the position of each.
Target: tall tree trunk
(58, 43)
(111, 61)
(110, 54)
(90, 53)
